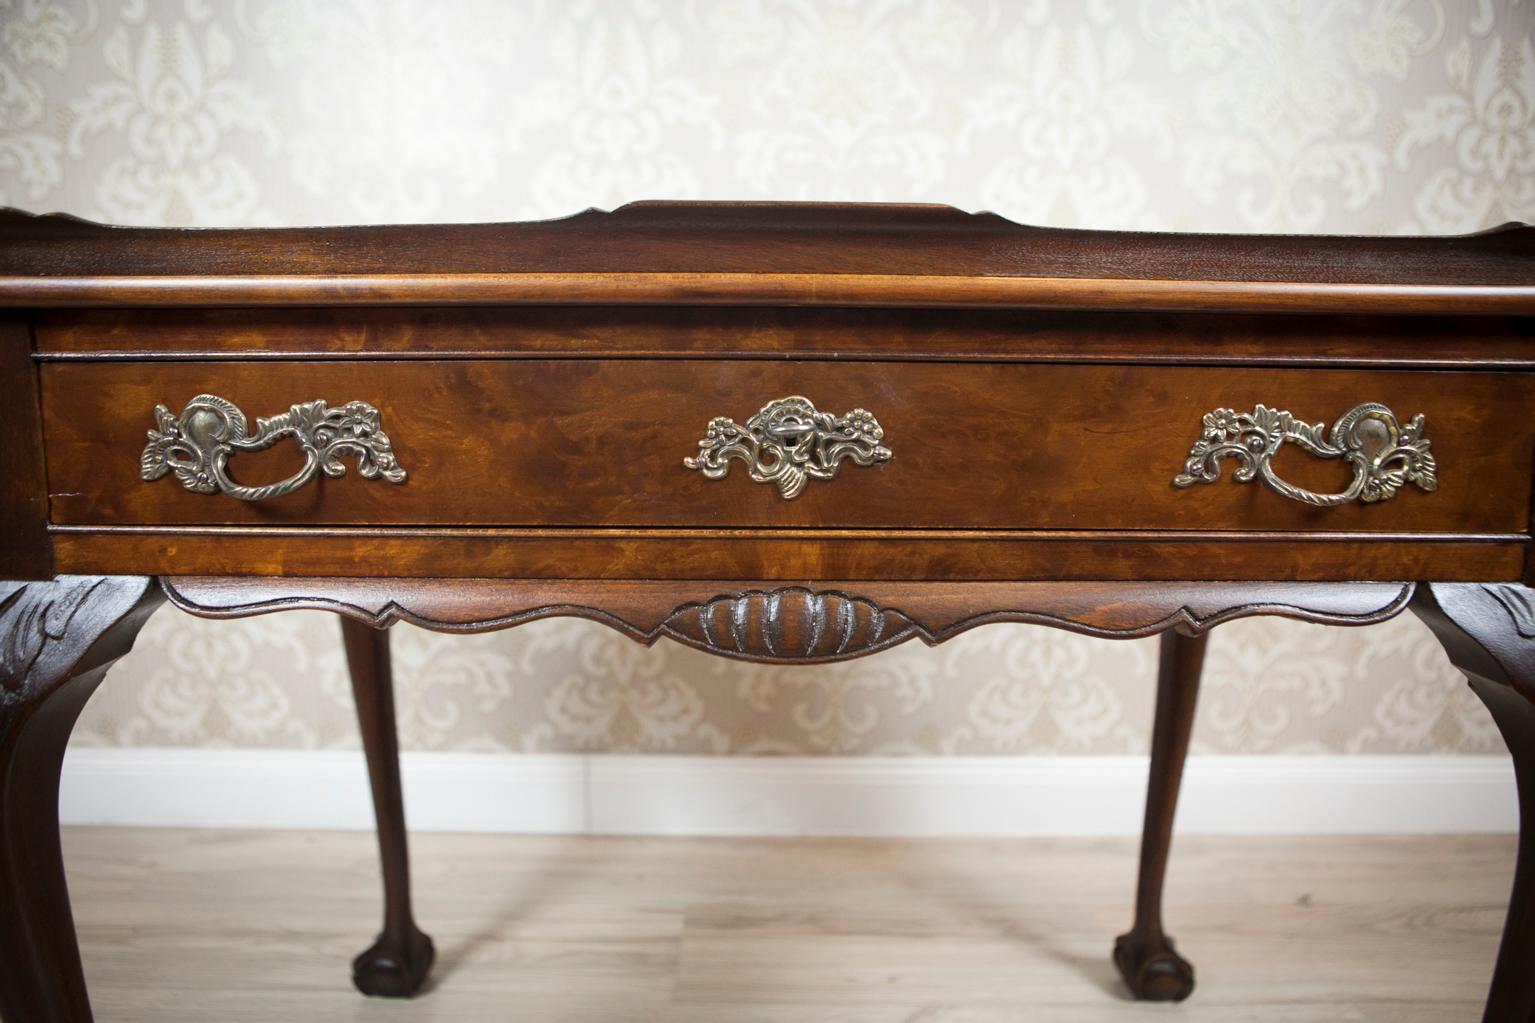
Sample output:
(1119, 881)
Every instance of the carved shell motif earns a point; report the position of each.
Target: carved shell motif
(792, 624)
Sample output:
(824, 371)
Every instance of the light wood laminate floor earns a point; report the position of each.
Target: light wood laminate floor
(234, 926)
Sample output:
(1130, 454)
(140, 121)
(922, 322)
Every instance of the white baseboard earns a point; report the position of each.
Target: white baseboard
(695, 795)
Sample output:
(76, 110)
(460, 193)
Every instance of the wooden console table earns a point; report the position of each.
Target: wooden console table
(785, 433)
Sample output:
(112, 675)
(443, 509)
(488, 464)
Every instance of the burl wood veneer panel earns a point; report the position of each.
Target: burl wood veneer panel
(601, 443)
(805, 557)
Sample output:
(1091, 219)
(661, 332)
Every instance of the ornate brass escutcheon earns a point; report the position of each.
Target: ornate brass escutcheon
(1383, 454)
(196, 445)
(788, 443)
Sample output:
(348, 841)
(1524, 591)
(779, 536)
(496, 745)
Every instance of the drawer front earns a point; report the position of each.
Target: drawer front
(602, 443)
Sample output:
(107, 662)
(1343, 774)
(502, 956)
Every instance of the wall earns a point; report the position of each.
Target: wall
(1355, 116)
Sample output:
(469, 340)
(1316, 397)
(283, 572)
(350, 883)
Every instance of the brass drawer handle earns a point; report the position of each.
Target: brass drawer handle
(788, 443)
(196, 445)
(1383, 454)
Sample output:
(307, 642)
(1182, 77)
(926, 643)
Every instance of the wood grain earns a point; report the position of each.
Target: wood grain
(890, 290)
(396, 964)
(933, 612)
(1039, 389)
(25, 550)
(1489, 634)
(771, 333)
(761, 253)
(601, 443)
(57, 640)
(1145, 957)
(762, 238)
(301, 552)
(182, 926)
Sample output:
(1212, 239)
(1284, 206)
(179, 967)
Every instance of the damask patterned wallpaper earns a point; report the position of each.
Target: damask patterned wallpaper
(1357, 116)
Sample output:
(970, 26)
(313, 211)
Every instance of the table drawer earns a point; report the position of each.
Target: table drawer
(602, 443)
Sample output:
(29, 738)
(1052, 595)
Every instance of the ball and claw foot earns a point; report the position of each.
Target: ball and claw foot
(389, 970)
(1152, 969)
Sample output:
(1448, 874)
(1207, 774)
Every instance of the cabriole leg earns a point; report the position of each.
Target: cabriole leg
(397, 963)
(1145, 956)
(1489, 633)
(57, 640)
